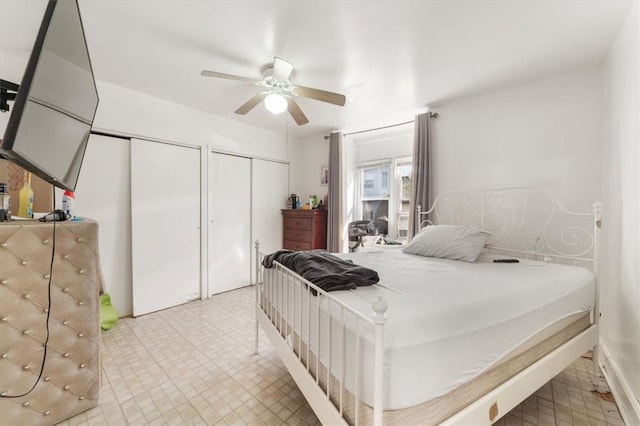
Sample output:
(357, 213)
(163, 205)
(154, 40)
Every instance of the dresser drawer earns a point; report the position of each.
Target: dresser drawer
(297, 223)
(296, 245)
(297, 235)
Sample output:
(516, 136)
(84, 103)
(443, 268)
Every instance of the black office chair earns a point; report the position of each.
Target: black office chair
(359, 229)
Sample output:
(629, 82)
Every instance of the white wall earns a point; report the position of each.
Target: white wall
(139, 114)
(306, 157)
(620, 273)
(383, 144)
(104, 194)
(546, 134)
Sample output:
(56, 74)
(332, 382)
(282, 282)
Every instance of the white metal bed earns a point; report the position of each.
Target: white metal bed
(525, 222)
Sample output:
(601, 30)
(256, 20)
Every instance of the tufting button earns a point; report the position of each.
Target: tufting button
(81, 398)
(46, 413)
(66, 289)
(45, 241)
(3, 356)
(25, 332)
(66, 355)
(80, 335)
(4, 393)
(81, 303)
(26, 404)
(47, 276)
(26, 296)
(26, 367)
(3, 244)
(4, 282)
(24, 262)
(46, 379)
(66, 387)
(4, 319)
(65, 322)
(80, 240)
(45, 310)
(82, 365)
(66, 256)
(81, 271)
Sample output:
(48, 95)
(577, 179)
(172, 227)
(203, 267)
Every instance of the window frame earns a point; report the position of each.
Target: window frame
(394, 209)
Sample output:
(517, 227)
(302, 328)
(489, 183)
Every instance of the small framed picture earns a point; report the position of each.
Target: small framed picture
(324, 175)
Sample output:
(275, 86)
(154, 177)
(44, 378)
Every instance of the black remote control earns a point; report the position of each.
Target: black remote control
(506, 261)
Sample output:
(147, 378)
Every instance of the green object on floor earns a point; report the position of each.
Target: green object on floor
(108, 314)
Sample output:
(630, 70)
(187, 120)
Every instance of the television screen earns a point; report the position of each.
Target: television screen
(50, 124)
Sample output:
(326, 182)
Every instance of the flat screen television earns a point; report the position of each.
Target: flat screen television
(50, 124)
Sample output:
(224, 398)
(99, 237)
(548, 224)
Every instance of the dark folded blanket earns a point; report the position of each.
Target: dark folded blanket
(323, 269)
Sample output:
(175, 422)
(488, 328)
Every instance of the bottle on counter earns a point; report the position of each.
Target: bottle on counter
(25, 207)
(67, 203)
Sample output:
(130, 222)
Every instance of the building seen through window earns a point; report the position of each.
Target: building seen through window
(385, 193)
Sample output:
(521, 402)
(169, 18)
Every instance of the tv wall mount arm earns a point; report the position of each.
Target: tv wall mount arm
(8, 91)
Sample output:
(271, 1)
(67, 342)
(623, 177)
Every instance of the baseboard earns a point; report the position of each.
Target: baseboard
(627, 403)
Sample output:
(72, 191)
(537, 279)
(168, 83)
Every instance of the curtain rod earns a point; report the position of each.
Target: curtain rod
(431, 115)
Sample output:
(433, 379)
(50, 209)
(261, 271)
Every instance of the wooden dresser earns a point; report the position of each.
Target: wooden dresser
(304, 229)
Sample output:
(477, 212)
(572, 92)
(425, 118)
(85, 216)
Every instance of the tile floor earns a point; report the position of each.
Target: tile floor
(194, 365)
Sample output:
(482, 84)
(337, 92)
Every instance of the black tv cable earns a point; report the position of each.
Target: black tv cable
(46, 341)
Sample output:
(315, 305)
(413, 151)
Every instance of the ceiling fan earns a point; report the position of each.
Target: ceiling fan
(279, 91)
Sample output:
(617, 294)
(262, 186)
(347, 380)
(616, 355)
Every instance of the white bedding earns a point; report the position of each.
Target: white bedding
(448, 321)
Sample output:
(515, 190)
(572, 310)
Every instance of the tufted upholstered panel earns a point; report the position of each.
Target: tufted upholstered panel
(70, 382)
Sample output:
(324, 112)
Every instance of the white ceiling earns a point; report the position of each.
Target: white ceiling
(392, 59)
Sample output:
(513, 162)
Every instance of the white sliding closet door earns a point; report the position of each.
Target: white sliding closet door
(270, 188)
(165, 225)
(229, 222)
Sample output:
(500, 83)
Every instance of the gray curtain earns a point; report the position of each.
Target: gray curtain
(420, 182)
(334, 225)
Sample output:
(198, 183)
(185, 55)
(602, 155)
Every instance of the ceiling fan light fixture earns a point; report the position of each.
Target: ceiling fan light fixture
(275, 103)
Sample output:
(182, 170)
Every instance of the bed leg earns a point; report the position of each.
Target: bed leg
(380, 319)
(597, 379)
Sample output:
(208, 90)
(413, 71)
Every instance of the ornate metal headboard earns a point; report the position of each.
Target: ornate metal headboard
(524, 221)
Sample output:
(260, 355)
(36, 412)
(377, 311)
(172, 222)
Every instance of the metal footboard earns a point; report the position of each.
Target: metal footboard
(330, 341)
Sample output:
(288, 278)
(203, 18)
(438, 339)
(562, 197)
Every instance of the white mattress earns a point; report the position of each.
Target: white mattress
(448, 321)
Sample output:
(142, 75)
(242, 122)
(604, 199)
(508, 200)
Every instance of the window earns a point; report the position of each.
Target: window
(385, 192)
(374, 181)
(403, 176)
(374, 200)
(385, 179)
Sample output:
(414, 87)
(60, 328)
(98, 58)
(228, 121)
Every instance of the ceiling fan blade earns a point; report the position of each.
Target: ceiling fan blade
(296, 112)
(320, 95)
(228, 76)
(251, 103)
(281, 69)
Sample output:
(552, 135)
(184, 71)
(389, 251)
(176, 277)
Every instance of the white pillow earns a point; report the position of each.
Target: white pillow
(455, 242)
